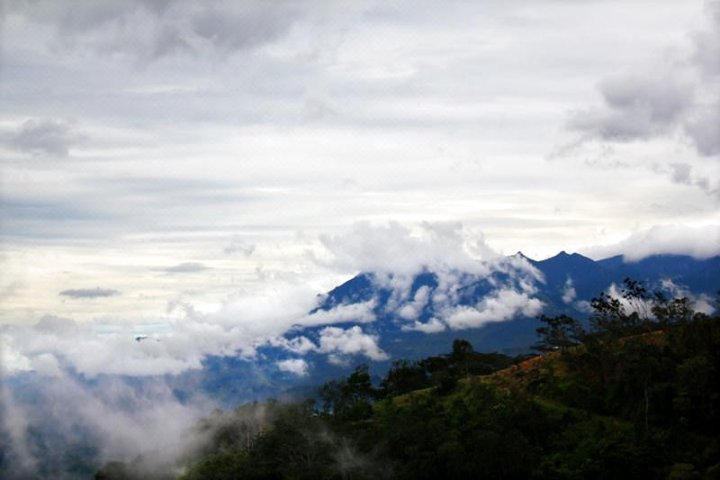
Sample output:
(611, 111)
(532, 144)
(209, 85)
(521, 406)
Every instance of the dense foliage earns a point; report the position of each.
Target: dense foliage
(634, 395)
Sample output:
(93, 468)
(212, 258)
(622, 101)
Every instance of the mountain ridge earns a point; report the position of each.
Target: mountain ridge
(411, 316)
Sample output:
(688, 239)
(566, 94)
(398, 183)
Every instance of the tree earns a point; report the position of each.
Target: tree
(672, 312)
(559, 333)
(403, 377)
(351, 398)
(622, 316)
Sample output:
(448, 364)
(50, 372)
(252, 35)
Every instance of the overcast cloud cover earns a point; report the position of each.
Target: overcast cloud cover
(182, 178)
(187, 150)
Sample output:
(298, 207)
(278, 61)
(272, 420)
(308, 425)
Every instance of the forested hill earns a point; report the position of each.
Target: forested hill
(635, 395)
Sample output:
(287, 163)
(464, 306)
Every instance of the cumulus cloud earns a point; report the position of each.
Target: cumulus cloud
(300, 345)
(96, 292)
(500, 306)
(397, 249)
(43, 136)
(296, 366)
(568, 294)
(431, 326)
(396, 255)
(337, 343)
(351, 341)
(700, 303)
(413, 309)
(698, 242)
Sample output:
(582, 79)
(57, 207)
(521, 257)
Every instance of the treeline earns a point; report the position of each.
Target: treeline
(633, 394)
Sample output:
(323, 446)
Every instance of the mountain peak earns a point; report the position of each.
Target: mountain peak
(564, 256)
(520, 254)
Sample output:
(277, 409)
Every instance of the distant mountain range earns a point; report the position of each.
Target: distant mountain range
(379, 317)
(376, 318)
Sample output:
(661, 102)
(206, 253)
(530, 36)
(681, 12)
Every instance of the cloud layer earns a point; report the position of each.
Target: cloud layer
(394, 254)
(96, 292)
(678, 97)
(699, 242)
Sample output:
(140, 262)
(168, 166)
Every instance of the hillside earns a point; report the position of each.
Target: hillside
(410, 316)
(638, 400)
(399, 326)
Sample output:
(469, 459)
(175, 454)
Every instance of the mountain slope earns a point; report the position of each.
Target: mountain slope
(378, 317)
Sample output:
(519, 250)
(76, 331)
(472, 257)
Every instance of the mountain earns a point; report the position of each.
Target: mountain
(654, 413)
(374, 318)
(379, 317)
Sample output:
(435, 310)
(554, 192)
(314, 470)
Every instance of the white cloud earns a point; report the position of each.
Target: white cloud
(394, 248)
(351, 341)
(699, 303)
(699, 242)
(122, 422)
(47, 365)
(431, 326)
(300, 345)
(412, 309)
(12, 359)
(296, 366)
(569, 293)
(498, 307)
(176, 344)
(704, 304)
(14, 423)
(354, 312)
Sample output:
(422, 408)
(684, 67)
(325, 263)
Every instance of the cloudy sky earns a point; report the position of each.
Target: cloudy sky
(194, 173)
(161, 157)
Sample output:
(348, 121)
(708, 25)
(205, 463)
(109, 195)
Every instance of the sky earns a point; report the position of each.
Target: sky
(166, 156)
(195, 173)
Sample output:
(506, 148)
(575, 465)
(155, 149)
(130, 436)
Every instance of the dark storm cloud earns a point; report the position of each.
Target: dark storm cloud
(96, 292)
